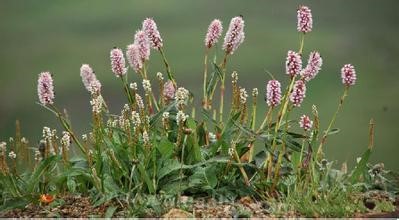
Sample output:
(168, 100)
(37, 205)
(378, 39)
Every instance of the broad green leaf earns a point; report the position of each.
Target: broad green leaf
(110, 211)
(361, 167)
(165, 148)
(44, 167)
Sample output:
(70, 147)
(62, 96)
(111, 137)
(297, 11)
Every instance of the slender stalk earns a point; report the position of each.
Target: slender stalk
(324, 138)
(167, 66)
(266, 120)
(205, 101)
(301, 43)
(223, 66)
(127, 91)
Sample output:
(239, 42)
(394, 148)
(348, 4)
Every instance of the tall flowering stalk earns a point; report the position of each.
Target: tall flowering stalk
(293, 68)
(348, 77)
(46, 97)
(211, 38)
(233, 39)
(89, 78)
(149, 26)
(118, 67)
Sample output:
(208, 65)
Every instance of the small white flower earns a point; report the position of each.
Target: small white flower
(212, 137)
(139, 102)
(66, 139)
(84, 137)
(243, 96)
(159, 76)
(96, 104)
(181, 117)
(255, 92)
(3, 147)
(136, 121)
(38, 156)
(165, 115)
(12, 155)
(133, 86)
(146, 138)
(181, 95)
(147, 86)
(234, 75)
(24, 140)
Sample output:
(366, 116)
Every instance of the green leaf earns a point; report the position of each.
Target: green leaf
(44, 167)
(361, 167)
(333, 131)
(110, 211)
(71, 184)
(165, 147)
(216, 75)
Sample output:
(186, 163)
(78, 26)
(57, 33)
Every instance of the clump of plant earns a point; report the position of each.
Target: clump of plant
(158, 145)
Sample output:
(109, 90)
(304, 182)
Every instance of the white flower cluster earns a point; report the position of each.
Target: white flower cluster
(38, 156)
(255, 92)
(147, 86)
(133, 86)
(3, 147)
(243, 96)
(48, 134)
(181, 117)
(12, 155)
(212, 137)
(139, 102)
(146, 138)
(181, 95)
(97, 104)
(66, 139)
(234, 76)
(159, 76)
(136, 121)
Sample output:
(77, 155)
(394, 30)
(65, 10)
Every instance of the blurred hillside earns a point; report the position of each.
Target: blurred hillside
(59, 36)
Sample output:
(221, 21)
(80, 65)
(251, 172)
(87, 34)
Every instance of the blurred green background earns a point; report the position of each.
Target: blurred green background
(59, 36)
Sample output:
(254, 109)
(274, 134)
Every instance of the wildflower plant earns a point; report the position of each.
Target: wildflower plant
(158, 144)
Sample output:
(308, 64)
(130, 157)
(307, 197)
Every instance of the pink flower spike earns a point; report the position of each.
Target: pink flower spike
(89, 78)
(305, 20)
(45, 88)
(143, 43)
(293, 63)
(133, 57)
(214, 32)
(169, 90)
(273, 93)
(150, 28)
(235, 35)
(305, 123)
(118, 63)
(298, 93)
(348, 75)
(314, 66)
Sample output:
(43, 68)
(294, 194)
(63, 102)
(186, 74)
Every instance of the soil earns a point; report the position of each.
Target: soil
(76, 206)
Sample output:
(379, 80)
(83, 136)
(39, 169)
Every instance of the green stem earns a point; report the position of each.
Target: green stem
(127, 91)
(302, 43)
(168, 71)
(205, 101)
(324, 138)
(223, 66)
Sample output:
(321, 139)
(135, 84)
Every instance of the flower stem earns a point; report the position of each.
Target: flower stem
(168, 71)
(205, 101)
(324, 138)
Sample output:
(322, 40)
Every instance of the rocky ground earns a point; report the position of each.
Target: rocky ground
(77, 206)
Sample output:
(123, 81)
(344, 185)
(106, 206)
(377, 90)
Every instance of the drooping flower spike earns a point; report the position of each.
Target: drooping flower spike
(273, 93)
(150, 28)
(305, 122)
(45, 88)
(89, 78)
(305, 20)
(118, 63)
(133, 57)
(143, 43)
(293, 63)
(298, 93)
(348, 75)
(314, 66)
(235, 35)
(214, 32)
